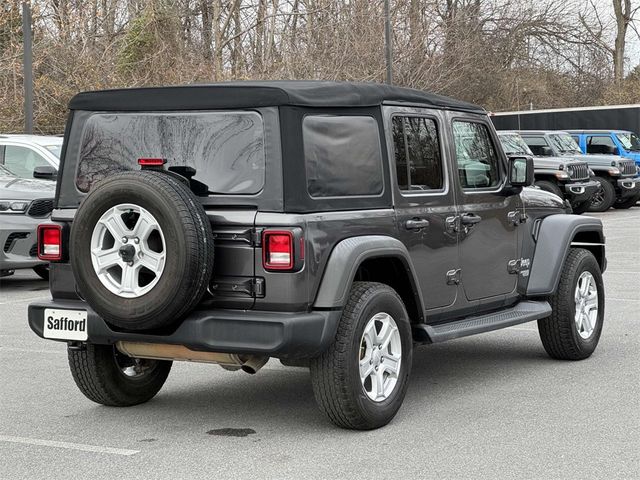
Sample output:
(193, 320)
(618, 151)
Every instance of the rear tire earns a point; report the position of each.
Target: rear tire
(343, 375)
(604, 198)
(42, 271)
(627, 203)
(564, 335)
(106, 376)
(550, 187)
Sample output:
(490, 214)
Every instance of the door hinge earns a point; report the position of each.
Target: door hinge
(256, 237)
(516, 217)
(514, 266)
(453, 277)
(257, 287)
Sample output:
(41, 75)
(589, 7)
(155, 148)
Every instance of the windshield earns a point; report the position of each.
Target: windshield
(564, 143)
(55, 149)
(4, 171)
(630, 141)
(513, 144)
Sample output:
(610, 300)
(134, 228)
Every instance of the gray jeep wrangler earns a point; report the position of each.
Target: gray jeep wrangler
(569, 179)
(329, 225)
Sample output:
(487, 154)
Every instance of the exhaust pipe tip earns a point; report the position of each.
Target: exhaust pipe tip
(253, 364)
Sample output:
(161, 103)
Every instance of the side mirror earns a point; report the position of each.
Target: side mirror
(45, 172)
(520, 171)
(546, 151)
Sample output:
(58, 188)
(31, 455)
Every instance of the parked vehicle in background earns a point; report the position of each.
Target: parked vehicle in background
(24, 203)
(348, 221)
(609, 142)
(31, 156)
(608, 117)
(569, 179)
(617, 176)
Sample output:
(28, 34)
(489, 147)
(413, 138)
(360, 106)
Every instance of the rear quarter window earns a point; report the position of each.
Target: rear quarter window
(225, 148)
(342, 155)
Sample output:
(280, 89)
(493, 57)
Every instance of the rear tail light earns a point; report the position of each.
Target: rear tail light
(151, 162)
(278, 250)
(49, 242)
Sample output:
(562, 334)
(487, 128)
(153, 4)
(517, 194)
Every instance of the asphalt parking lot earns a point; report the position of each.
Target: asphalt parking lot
(490, 406)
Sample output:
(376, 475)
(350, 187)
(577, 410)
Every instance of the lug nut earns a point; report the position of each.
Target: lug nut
(125, 239)
(136, 240)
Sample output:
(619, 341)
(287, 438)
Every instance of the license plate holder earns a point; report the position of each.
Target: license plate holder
(62, 324)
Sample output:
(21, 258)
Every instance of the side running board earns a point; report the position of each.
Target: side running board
(524, 311)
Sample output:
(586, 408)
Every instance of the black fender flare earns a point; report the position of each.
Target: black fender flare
(554, 238)
(344, 261)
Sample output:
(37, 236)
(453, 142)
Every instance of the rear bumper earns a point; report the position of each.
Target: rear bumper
(276, 334)
(578, 192)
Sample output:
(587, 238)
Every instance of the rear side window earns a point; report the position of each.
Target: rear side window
(417, 154)
(225, 148)
(601, 144)
(342, 156)
(537, 144)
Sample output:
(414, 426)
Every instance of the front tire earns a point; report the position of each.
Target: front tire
(582, 207)
(626, 203)
(550, 187)
(573, 330)
(352, 383)
(106, 376)
(604, 198)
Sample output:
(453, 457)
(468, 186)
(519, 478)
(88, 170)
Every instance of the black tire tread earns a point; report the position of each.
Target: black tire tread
(626, 203)
(556, 331)
(94, 378)
(328, 371)
(549, 186)
(610, 195)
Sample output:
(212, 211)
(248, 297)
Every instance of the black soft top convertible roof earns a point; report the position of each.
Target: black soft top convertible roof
(307, 93)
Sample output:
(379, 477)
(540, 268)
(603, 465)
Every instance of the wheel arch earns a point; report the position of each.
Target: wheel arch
(556, 235)
(375, 258)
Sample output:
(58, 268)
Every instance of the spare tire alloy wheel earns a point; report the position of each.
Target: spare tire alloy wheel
(141, 248)
(128, 250)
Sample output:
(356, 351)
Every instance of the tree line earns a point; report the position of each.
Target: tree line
(502, 54)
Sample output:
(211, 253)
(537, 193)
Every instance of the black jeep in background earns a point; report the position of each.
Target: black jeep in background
(329, 225)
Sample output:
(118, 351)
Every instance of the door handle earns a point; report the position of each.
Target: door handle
(416, 223)
(470, 219)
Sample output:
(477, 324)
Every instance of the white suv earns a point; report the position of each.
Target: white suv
(29, 156)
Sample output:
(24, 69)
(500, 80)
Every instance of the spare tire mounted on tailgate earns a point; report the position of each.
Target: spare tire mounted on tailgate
(141, 247)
